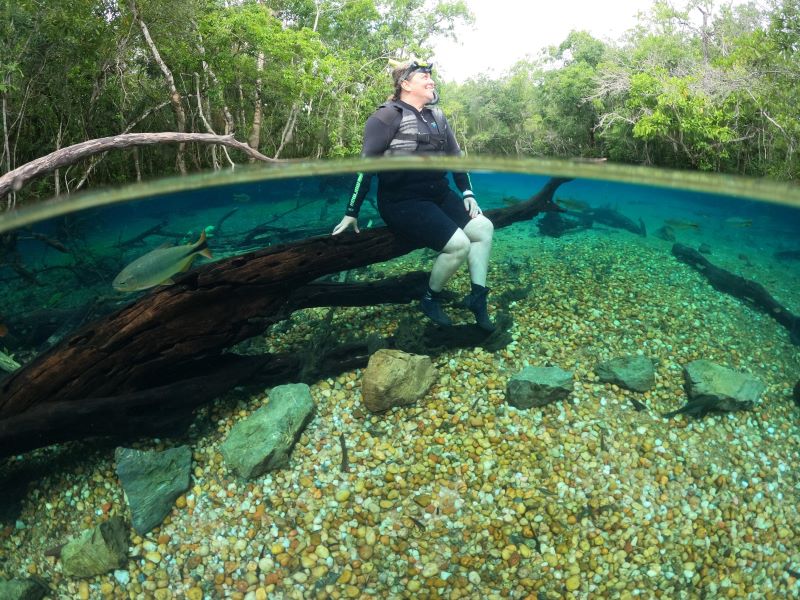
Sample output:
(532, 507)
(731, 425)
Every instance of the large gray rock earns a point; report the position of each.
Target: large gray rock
(395, 378)
(704, 379)
(263, 441)
(633, 372)
(711, 387)
(96, 551)
(22, 589)
(538, 386)
(152, 481)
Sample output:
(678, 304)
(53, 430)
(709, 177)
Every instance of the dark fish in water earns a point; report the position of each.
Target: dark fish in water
(700, 407)
(55, 551)
(545, 491)
(796, 393)
(50, 242)
(511, 201)
(572, 204)
(788, 254)
(638, 405)
(679, 224)
(612, 218)
(3, 330)
(666, 233)
(739, 222)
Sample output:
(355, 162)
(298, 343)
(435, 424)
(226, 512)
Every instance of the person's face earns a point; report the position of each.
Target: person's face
(420, 86)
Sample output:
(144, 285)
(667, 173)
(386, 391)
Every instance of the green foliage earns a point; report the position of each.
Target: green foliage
(71, 71)
(688, 87)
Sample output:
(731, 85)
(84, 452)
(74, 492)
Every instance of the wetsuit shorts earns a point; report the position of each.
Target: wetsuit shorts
(428, 222)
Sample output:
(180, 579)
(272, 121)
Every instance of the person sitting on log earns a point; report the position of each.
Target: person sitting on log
(420, 205)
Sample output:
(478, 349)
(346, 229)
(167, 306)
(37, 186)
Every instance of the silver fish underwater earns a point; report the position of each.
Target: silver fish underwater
(158, 266)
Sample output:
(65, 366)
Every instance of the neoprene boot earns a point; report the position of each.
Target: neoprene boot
(432, 308)
(476, 302)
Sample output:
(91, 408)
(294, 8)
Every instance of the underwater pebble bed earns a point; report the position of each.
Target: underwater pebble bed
(463, 496)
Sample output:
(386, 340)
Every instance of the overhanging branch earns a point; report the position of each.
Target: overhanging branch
(14, 180)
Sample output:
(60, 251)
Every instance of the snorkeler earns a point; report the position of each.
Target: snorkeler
(420, 205)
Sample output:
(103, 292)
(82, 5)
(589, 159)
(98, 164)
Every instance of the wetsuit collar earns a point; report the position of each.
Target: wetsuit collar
(411, 106)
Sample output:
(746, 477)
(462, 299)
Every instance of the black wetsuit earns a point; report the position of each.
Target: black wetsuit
(419, 205)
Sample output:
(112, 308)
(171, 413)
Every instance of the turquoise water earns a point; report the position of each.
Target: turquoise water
(460, 494)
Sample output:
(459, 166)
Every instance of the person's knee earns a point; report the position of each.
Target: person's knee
(487, 227)
(480, 229)
(458, 245)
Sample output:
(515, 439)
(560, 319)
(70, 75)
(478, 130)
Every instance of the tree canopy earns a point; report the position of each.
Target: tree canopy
(696, 85)
(705, 86)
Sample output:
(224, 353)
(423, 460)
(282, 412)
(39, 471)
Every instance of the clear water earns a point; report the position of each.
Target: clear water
(460, 495)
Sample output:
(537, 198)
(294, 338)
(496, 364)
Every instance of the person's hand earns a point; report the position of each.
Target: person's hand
(471, 206)
(344, 225)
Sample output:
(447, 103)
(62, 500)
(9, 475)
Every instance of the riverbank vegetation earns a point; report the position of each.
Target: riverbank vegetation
(695, 85)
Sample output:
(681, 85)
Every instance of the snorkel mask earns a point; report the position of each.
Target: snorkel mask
(417, 66)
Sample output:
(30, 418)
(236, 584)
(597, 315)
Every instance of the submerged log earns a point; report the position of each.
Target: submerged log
(752, 292)
(170, 336)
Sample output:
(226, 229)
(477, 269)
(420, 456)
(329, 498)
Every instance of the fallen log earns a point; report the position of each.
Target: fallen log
(170, 336)
(752, 292)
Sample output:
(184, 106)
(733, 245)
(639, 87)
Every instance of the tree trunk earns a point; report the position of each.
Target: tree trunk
(175, 333)
(255, 132)
(174, 95)
(286, 135)
(226, 112)
(6, 147)
(203, 120)
(56, 173)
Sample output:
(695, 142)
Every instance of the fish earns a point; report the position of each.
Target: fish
(3, 330)
(701, 406)
(638, 405)
(572, 204)
(739, 222)
(679, 224)
(614, 218)
(788, 254)
(666, 233)
(158, 266)
(241, 198)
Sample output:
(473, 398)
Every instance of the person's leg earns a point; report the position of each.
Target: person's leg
(479, 231)
(426, 224)
(451, 257)
(449, 260)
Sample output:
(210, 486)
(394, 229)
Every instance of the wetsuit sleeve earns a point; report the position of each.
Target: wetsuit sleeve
(378, 134)
(460, 178)
(360, 190)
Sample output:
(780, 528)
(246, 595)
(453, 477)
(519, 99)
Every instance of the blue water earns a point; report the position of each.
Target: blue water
(460, 461)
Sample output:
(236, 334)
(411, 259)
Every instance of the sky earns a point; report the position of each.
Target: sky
(505, 31)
